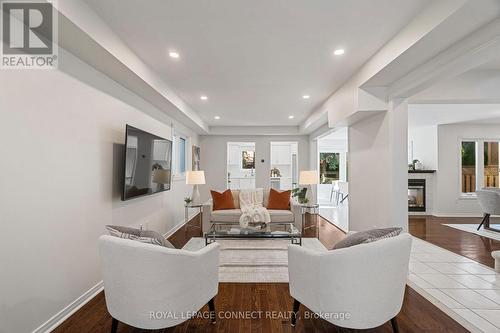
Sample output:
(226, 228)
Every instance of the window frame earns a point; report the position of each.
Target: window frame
(479, 164)
(176, 137)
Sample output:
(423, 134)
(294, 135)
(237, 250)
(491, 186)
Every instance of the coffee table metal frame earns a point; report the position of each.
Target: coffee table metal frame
(295, 236)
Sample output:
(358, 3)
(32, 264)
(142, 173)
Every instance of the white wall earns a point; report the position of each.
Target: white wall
(447, 198)
(214, 158)
(61, 143)
(378, 170)
(423, 139)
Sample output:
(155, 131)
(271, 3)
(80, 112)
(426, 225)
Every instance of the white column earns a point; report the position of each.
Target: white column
(378, 175)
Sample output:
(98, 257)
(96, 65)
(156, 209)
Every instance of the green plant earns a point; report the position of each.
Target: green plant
(300, 194)
(328, 167)
(188, 200)
(468, 153)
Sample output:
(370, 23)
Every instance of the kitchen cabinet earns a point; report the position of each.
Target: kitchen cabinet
(234, 155)
(234, 184)
(242, 183)
(247, 183)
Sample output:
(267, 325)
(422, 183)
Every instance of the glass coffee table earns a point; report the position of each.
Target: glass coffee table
(228, 230)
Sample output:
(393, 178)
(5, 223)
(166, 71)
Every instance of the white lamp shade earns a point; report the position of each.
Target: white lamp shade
(309, 177)
(195, 177)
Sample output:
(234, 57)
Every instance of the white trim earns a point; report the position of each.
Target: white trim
(176, 136)
(65, 313)
(467, 196)
(420, 213)
(479, 150)
(461, 140)
(179, 225)
(179, 177)
(457, 215)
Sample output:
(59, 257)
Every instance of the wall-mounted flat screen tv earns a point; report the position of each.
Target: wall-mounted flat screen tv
(148, 164)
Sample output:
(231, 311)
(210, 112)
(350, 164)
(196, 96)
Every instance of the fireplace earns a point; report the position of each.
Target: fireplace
(416, 195)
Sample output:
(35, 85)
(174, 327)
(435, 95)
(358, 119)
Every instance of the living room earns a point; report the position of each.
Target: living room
(262, 149)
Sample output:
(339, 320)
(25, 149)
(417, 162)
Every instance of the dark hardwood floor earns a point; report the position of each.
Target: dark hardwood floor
(475, 247)
(417, 314)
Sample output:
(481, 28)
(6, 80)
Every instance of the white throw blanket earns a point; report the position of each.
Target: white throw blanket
(252, 207)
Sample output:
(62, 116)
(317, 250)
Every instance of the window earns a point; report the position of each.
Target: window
(182, 155)
(248, 159)
(479, 172)
(468, 166)
(328, 167)
(179, 154)
(490, 164)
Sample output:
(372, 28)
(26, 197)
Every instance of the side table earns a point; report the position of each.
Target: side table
(308, 208)
(186, 210)
(191, 229)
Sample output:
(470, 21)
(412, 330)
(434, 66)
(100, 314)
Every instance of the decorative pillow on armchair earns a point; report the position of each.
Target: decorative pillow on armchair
(279, 200)
(367, 236)
(143, 236)
(222, 200)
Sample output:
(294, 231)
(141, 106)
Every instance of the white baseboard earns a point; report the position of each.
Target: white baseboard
(179, 225)
(457, 215)
(65, 313)
(420, 213)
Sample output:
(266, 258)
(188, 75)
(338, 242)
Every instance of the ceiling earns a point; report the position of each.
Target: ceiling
(254, 60)
(469, 98)
(440, 114)
(492, 65)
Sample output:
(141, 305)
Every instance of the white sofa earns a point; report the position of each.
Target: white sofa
(209, 216)
(141, 279)
(366, 281)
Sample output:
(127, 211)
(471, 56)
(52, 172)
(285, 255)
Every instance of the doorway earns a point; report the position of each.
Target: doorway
(240, 165)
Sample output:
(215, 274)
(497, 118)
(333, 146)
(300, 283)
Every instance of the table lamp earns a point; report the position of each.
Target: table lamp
(309, 178)
(195, 178)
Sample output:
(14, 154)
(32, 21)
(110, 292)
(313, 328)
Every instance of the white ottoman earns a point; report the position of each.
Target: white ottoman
(496, 256)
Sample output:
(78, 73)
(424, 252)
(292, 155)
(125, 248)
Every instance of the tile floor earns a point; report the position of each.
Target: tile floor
(336, 215)
(467, 291)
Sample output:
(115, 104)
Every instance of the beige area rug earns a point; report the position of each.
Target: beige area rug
(472, 228)
(253, 260)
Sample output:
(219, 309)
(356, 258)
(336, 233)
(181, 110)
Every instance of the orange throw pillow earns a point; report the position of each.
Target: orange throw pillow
(279, 200)
(222, 200)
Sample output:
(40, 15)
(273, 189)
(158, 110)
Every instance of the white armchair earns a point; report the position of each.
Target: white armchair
(489, 200)
(142, 281)
(358, 287)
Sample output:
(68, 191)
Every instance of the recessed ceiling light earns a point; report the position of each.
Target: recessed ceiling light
(203, 97)
(306, 96)
(173, 54)
(339, 52)
(291, 117)
(216, 117)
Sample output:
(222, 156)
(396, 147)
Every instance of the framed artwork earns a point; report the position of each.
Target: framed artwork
(196, 158)
(248, 159)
